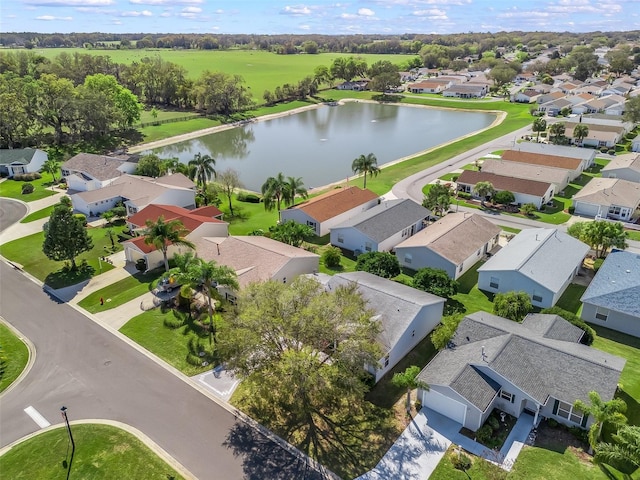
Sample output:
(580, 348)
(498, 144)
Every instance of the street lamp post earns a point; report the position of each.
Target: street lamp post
(63, 410)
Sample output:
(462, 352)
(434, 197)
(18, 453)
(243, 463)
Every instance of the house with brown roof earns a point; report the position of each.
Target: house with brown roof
(586, 155)
(598, 136)
(331, 208)
(257, 259)
(612, 198)
(573, 166)
(137, 192)
(87, 171)
(558, 176)
(429, 86)
(524, 190)
(455, 243)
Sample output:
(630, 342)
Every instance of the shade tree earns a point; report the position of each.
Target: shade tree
(512, 305)
(65, 236)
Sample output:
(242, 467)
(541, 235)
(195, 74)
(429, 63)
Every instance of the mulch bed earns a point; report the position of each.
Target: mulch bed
(558, 439)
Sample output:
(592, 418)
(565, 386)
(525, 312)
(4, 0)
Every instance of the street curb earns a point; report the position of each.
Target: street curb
(153, 446)
(30, 361)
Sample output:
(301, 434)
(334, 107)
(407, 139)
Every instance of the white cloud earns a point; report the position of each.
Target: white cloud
(192, 10)
(136, 13)
(296, 10)
(430, 13)
(304, 27)
(70, 3)
(366, 12)
(348, 16)
(50, 18)
(165, 14)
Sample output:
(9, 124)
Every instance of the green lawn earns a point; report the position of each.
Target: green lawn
(38, 214)
(480, 470)
(13, 189)
(448, 177)
(570, 300)
(15, 355)
(469, 296)
(510, 229)
(146, 116)
(158, 132)
(633, 235)
(121, 292)
(27, 251)
(102, 452)
(149, 331)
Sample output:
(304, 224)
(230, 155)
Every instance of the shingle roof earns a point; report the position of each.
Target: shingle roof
(553, 326)
(191, 219)
(545, 255)
(384, 220)
(397, 305)
(501, 182)
(20, 156)
(540, 366)
(616, 286)
(627, 160)
(559, 176)
(610, 191)
(476, 386)
(335, 202)
(558, 150)
(455, 236)
(100, 167)
(532, 158)
(133, 187)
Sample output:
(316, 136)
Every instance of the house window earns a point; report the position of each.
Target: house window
(367, 246)
(494, 282)
(460, 267)
(408, 258)
(340, 238)
(602, 314)
(566, 410)
(537, 297)
(231, 298)
(386, 360)
(507, 396)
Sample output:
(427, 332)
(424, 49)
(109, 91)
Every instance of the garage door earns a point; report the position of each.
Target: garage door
(445, 406)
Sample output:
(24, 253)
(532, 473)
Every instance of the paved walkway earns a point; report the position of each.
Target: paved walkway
(418, 451)
(19, 230)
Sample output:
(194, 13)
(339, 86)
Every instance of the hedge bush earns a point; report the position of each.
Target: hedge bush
(484, 433)
(27, 177)
(331, 257)
(27, 188)
(464, 195)
(248, 197)
(82, 217)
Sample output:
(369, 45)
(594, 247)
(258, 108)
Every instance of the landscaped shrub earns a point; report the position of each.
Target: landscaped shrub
(589, 333)
(464, 195)
(248, 197)
(604, 150)
(494, 423)
(331, 257)
(611, 152)
(572, 209)
(552, 423)
(597, 263)
(141, 265)
(173, 322)
(484, 433)
(27, 188)
(82, 217)
(460, 461)
(27, 177)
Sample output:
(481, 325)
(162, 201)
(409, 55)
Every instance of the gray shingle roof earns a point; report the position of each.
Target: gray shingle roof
(476, 387)
(538, 365)
(388, 218)
(616, 286)
(396, 304)
(545, 255)
(21, 156)
(553, 326)
(100, 167)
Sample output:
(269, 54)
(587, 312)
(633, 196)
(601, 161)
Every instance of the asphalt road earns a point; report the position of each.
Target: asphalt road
(11, 212)
(97, 375)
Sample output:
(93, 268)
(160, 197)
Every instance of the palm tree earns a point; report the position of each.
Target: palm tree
(366, 165)
(204, 170)
(161, 234)
(580, 132)
(409, 380)
(274, 191)
(602, 412)
(210, 275)
(295, 186)
(484, 190)
(51, 166)
(539, 125)
(624, 451)
(557, 131)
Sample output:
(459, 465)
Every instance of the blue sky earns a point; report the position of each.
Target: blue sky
(317, 16)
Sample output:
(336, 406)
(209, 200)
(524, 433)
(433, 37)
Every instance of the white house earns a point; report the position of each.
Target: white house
(559, 177)
(573, 166)
(136, 193)
(612, 198)
(454, 243)
(626, 167)
(612, 298)
(466, 91)
(87, 171)
(21, 160)
(331, 208)
(541, 262)
(406, 315)
(536, 367)
(380, 228)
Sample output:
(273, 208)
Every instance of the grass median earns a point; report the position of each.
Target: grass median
(14, 355)
(13, 189)
(103, 452)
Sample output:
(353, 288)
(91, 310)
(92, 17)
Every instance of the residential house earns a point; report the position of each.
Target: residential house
(406, 315)
(550, 97)
(559, 177)
(573, 166)
(16, 161)
(598, 136)
(356, 85)
(541, 262)
(524, 190)
(554, 107)
(136, 193)
(466, 91)
(612, 198)
(86, 171)
(612, 298)
(635, 144)
(380, 228)
(256, 259)
(331, 208)
(586, 155)
(536, 367)
(526, 96)
(200, 222)
(625, 166)
(429, 86)
(454, 243)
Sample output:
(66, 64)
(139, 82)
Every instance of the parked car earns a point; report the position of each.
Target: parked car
(168, 284)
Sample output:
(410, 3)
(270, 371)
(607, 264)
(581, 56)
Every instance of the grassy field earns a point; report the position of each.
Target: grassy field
(121, 292)
(261, 70)
(570, 299)
(469, 298)
(13, 189)
(15, 354)
(27, 251)
(103, 452)
(38, 214)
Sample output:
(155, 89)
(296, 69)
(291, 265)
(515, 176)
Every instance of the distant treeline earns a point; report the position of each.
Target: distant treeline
(471, 43)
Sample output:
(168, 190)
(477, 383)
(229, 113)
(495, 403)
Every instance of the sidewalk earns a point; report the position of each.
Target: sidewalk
(19, 230)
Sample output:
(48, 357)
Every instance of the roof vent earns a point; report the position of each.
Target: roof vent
(628, 271)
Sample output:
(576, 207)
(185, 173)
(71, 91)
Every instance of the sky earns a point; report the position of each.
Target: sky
(317, 16)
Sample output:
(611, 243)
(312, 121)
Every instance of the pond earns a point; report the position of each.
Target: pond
(319, 145)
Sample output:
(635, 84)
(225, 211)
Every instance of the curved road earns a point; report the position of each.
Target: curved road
(93, 372)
